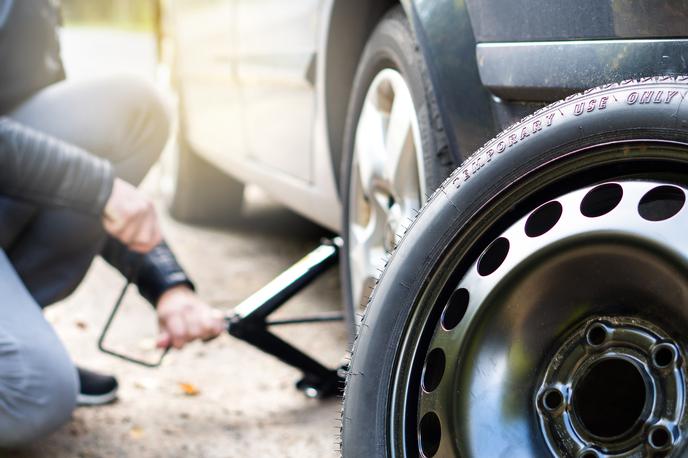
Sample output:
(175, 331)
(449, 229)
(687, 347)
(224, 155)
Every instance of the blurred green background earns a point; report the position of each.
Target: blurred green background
(126, 14)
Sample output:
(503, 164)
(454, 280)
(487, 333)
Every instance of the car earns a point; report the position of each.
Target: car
(269, 91)
(534, 294)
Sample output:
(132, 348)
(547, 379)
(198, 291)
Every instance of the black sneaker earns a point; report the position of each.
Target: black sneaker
(96, 389)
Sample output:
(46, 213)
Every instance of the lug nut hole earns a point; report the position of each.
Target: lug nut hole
(588, 454)
(552, 400)
(660, 438)
(663, 355)
(597, 334)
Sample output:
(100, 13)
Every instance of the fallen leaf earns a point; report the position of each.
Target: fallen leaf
(189, 389)
(136, 432)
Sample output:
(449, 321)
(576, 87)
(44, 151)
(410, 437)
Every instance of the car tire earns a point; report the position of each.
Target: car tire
(391, 46)
(203, 194)
(482, 395)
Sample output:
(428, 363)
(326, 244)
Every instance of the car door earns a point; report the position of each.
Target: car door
(276, 67)
(205, 71)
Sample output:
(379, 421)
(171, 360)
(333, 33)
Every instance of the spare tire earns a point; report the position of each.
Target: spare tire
(538, 305)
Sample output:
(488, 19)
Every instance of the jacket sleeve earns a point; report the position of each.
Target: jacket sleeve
(46, 171)
(153, 273)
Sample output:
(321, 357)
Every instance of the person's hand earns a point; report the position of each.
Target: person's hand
(130, 217)
(184, 317)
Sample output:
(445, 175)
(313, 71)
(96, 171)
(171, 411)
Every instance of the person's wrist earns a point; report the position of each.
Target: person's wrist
(172, 293)
(160, 272)
(169, 289)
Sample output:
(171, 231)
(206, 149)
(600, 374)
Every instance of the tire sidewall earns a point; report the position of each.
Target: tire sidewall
(464, 198)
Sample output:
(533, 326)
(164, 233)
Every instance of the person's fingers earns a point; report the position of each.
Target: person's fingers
(129, 233)
(218, 321)
(201, 326)
(157, 238)
(154, 230)
(130, 217)
(178, 332)
(194, 327)
(164, 340)
(144, 231)
(209, 327)
(144, 244)
(139, 248)
(203, 323)
(186, 317)
(149, 234)
(113, 226)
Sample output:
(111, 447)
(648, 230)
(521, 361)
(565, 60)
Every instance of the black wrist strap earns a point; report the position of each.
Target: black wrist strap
(153, 273)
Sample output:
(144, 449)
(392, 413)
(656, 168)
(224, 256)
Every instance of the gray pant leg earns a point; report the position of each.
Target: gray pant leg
(38, 383)
(120, 119)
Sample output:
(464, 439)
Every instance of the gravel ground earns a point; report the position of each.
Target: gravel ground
(220, 399)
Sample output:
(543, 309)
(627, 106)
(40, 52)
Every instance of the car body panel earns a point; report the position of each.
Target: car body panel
(224, 85)
(549, 20)
(276, 46)
(550, 70)
(493, 61)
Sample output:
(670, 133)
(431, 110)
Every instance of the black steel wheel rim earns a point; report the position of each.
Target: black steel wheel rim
(479, 316)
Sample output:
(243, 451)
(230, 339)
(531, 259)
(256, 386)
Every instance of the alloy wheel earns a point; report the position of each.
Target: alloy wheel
(387, 186)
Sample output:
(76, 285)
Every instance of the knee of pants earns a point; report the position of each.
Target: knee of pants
(38, 389)
(147, 121)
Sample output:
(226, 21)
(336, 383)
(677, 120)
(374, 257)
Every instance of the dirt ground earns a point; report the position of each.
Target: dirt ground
(220, 399)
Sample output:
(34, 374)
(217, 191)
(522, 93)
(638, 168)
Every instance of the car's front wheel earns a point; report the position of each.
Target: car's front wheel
(395, 154)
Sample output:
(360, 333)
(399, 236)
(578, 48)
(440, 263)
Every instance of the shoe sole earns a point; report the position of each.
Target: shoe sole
(96, 399)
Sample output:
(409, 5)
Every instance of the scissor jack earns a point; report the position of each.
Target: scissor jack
(250, 321)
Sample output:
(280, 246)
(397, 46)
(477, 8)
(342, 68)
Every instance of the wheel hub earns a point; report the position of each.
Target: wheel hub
(616, 386)
(567, 335)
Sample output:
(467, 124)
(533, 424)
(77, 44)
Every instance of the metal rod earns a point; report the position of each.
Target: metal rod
(106, 328)
(311, 319)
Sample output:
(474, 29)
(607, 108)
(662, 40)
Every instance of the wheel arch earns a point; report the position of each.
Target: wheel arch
(350, 24)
